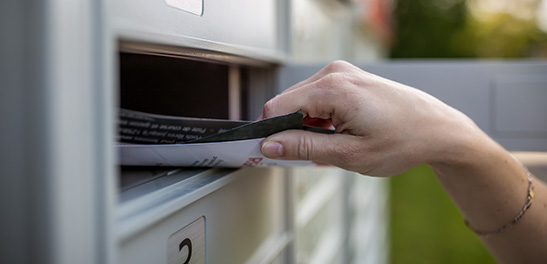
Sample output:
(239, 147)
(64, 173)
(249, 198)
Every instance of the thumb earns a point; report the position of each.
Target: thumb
(301, 145)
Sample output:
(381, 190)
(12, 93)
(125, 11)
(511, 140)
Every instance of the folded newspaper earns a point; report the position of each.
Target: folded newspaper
(156, 140)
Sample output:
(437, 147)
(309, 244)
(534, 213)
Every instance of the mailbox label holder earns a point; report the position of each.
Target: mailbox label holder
(187, 246)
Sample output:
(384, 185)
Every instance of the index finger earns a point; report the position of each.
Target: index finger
(335, 66)
(314, 99)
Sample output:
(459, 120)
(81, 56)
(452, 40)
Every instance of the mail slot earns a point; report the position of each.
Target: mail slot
(174, 86)
(187, 83)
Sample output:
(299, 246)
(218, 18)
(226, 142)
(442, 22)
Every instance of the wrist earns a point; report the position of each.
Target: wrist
(463, 145)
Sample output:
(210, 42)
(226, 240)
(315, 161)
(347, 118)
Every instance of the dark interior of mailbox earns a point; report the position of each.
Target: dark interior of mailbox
(174, 86)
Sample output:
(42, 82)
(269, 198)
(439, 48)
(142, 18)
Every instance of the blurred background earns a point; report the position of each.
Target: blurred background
(469, 28)
(365, 30)
(425, 227)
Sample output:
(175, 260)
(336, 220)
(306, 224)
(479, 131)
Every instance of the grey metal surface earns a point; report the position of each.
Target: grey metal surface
(339, 216)
(146, 204)
(472, 86)
(193, 6)
(244, 213)
(57, 179)
(143, 180)
(131, 177)
(16, 172)
(242, 27)
(188, 244)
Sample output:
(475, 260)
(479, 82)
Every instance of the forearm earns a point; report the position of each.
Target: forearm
(490, 188)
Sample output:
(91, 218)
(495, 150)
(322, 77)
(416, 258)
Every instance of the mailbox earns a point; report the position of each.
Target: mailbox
(69, 67)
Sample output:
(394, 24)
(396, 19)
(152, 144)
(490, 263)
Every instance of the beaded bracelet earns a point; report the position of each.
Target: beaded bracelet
(515, 220)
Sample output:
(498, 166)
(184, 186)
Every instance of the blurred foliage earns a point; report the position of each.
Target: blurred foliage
(447, 29)
(501, 35)
(426, 28)
(426, 227)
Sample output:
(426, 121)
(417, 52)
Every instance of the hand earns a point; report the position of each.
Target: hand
(384, 128)
(381, 127)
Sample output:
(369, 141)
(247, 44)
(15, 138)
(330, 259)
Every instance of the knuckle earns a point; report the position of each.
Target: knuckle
(338, 65)
(333, 78)
(268, 108)
(304, 148)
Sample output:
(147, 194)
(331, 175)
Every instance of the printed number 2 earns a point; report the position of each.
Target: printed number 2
(186, 243)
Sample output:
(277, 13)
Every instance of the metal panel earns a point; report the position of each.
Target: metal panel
(244, 217)
(16, 180)
(59, 100)
(188, 244)
(244, 27)
(337, 215)
(368, 227)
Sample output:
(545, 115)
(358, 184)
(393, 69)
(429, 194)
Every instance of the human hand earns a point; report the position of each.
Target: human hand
(381, 127)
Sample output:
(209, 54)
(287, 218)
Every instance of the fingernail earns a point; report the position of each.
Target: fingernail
(272, 149)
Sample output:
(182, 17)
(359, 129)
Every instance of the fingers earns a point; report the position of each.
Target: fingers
(295, 145)
(334, 149)
(313, 99)
(335, 66)
(285, 103)
(316, 100)
(312, 92)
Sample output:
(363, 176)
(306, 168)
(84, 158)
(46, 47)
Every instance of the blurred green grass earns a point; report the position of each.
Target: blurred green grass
(425, 225)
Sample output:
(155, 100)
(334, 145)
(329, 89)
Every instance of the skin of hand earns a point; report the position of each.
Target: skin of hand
(382, 128)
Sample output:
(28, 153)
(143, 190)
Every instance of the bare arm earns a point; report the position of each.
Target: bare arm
(490, 188)
(384, 128)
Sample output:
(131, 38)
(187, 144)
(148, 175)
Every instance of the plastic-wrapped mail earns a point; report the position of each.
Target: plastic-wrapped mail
(217, 154)
(155, 140)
